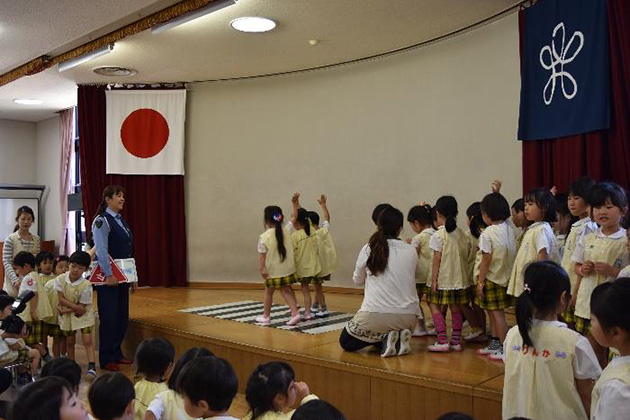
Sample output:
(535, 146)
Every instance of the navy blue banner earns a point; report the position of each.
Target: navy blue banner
(564, 69)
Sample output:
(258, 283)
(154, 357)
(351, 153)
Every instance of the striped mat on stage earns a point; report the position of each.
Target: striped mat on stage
(246, 311)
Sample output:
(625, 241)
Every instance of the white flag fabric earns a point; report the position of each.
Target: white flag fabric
(145, 132)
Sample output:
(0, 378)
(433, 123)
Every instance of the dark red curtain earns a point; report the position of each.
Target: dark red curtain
(154, 204)
(602, 154)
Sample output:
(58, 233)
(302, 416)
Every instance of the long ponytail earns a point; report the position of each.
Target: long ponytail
(447, 207)
(389, 223)
(273, 216)
(544, 283)
(304, 220)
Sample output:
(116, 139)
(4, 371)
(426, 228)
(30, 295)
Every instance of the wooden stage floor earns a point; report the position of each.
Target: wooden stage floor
(362, 385)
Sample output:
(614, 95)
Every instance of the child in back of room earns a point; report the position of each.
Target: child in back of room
(549, 369)
(76, 312)
(111, 397)
(473, 313)
(420, 219)
(610, 325)
(519, 220)
(277, 265)
(449, 271)
(306, 252)
(539, 242)
(60, 266)
(45, 262)
(600, 255)
(169, 404)
(272, 391)
(579, 208)
(493, 264)
(208, 386)
(328, 257)
(154, 363)
(38, 307)
(564, 220)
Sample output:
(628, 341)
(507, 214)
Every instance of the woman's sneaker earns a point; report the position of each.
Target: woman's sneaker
(405, 342)
(389, 344)
(262, 320)
(439, 348)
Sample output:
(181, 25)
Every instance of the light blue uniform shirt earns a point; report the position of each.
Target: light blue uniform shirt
(101, 239)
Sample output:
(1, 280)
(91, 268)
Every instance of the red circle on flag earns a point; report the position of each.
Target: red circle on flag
(144, 133)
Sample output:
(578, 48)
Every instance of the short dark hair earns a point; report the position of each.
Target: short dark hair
(314, 217)
(378, 210)
(519, 205)
(609, 304)
(44, 256)
(495, 207)
(81, 258)
(63, 368)
(153, 357)
(600, 193)
(40, 400)
(455, 416)
(59, 259)
(24, 257)
(317, 410)
(210, 379)
(187, 357)
(5, 300)
(562, 205)
(581, 186)
(265, 382)
(109, 395)
(545, 201)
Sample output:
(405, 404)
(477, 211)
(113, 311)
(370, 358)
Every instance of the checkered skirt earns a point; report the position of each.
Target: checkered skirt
(494, 298)
(582, 325)
(448, 297)
(36, 333)
(311, 280)
(280, 282)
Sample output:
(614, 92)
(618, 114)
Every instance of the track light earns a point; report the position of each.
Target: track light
(187, 17)
(66, 65)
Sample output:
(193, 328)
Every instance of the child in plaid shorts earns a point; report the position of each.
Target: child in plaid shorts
(75, 306)
(493, 265)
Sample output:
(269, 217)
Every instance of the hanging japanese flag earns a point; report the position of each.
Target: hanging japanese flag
(145, 132)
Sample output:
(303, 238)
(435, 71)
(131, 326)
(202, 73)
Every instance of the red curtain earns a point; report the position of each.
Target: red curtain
(154, 205)
(602, 154)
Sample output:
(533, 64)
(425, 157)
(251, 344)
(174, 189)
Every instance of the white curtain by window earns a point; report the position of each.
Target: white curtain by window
(67, 154)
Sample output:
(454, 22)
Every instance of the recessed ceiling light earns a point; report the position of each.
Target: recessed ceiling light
(115, 71)
(253, 24)
(28, 101)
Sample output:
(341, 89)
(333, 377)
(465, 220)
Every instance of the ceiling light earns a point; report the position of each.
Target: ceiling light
(253, 24)
(115, 71)
(66, 65)
(28, 101)
(187, 17)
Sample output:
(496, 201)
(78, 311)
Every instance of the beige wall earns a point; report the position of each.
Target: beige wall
(412, 127)
(17, 152)
(48, 174)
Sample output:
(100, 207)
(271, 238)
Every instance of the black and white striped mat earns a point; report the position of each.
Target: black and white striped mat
(246, 311)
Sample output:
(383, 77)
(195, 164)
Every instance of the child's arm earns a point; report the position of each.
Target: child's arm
(496, 186)
(261, 266)
(585, 389)
(33, 307)
(295, 205)
(606, 269)
(360, 268)
(322, 202)
(486, 259)
(437, 260)
(543, 255)
(76, 308)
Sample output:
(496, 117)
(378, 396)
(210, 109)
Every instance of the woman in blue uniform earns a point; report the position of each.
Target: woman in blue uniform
(112, 237)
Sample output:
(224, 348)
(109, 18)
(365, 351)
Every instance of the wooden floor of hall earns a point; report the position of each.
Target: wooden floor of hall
(362, 385)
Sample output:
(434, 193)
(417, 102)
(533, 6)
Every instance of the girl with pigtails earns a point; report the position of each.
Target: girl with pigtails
(277, 265)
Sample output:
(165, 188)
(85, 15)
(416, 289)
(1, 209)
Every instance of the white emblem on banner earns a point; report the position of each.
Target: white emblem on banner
(557, 61)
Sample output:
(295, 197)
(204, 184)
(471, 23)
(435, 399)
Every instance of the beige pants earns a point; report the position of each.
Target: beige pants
(374, 326)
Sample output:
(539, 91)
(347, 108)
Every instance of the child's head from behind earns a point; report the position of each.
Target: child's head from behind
(208, 385)
(111, 396)
(79, 263)
(578, 195)
(187, 357)
(49, 398)
(23, 263)
(64, 368)
(314, 218)
(610, 318)
(44, 261)
(271, 387)
(540, 206)
(547, 291)
(61, 263)
(608, 203)
(273, 218)
(378, 210)
(475, 219)
(154, 358)
(303, 222)
(317, 410)
(420, 217)
(445, 212)
(494, 208)
(5, 305)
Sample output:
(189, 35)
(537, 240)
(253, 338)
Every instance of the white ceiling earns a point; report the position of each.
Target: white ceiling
(208, 48)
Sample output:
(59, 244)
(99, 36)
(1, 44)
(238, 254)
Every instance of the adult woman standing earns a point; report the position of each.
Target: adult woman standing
(390, 308)
(20, 240)
(112, 237)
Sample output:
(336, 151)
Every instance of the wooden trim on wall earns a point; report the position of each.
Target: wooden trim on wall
(259, 286)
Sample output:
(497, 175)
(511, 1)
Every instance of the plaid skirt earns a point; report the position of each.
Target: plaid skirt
(70, 333)
(423, 290)
(311, 280)
(569, 315)
(22, 356)
(582, 325)
(280, 282)
(448, 297)
(495, 297)
(36, 333)
(323, 279)
(53, 330)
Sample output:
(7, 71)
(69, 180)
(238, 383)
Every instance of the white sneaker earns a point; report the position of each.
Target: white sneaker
(472, 335)
(432, 332)
(322, 313)
(455, 347)
(419, 332)
(389, 344)
(485, 351)
(314, 308)
(496, 355)
(439, 348)
(263, 320)
(405, 342)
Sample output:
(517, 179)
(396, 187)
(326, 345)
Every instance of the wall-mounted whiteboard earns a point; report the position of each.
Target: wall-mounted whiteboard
(11, 199)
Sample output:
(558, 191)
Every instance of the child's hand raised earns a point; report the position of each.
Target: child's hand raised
(301, 391)
(322, 200)
(296, 198)
(496, 186)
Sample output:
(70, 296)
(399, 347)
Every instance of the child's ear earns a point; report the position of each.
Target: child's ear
(279, 402)
(129, 409)
(564, 300)
(203, 406)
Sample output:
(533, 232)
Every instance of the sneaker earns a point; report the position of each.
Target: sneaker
(91, 372)
(485, 351)
(439, 348)
(389, 344)
(466, 324)
(432, 332)
(314, 308)
(263, 320)
(474, 334)
(455, 347)
(405, 341)
(496, 355)
(419, 332)
(322, 313)
(295, 320)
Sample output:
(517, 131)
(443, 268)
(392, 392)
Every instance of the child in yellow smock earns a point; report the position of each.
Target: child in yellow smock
(154, 363)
